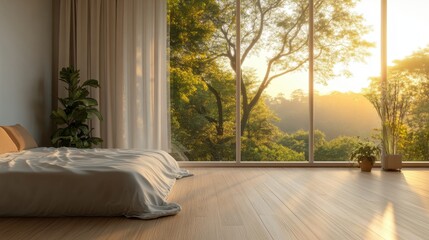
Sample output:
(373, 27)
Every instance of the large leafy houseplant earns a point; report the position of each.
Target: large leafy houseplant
(77, 109)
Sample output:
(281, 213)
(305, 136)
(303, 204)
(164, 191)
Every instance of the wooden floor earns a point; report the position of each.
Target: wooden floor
(265, 203)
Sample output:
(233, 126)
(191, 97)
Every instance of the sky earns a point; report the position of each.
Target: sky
(407, 32)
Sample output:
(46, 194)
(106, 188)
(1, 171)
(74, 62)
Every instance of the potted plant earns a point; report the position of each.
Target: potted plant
(365, 155)
(78, 108)
(392, 99)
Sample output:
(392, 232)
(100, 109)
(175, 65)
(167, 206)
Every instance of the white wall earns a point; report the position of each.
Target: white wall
(26, 65)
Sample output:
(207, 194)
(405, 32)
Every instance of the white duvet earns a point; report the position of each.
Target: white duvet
(91, 182)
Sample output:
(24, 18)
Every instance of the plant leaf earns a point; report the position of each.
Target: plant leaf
(88, 102)
(79, 115)
(59, 116)
(94, 111)
(96, 140)
(91, 83)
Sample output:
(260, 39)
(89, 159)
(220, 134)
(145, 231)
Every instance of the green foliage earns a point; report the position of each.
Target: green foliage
(78, 108)
(392, 102)
(338, 149)
(365, 151)
(253, 151)
(416, 145)
(298, 141)
(202, 71)
(202, 92)
(403, 108)
(415, 136)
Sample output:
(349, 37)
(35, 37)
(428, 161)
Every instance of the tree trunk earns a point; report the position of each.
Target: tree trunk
(245, 119)
(248, 105)
(220, 120)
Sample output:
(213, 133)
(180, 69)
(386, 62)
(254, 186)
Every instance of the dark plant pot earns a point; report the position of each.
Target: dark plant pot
(365, 166)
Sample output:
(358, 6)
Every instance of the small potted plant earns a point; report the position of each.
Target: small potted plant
(365, 155)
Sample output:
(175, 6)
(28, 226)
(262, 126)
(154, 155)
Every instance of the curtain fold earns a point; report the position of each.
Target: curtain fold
(123, 44)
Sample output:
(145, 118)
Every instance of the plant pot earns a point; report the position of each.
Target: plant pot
(365, 165)
(391, 162)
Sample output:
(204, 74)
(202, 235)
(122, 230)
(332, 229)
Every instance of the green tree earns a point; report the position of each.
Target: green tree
(200, 89)
(270, 151)
(282, 25)
(298, 141)
(416, 142)
(338, 149)
(202, 65)
(260, 140)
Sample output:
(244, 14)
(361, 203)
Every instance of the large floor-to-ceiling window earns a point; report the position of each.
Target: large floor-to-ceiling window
(274, 63)
(202, 79)
(307, 83)
(408, 77)
(343, 115)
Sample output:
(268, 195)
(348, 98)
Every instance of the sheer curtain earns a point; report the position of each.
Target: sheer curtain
(121, 43)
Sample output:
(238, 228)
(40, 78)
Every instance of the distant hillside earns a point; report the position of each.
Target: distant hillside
(335, 114)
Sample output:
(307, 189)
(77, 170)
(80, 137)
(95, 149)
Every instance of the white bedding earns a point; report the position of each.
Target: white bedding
(90, 182)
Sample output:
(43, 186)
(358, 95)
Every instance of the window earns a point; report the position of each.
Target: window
(271, 120)
(343, 115)
(274, 116)
(202, 81)
(408, 78)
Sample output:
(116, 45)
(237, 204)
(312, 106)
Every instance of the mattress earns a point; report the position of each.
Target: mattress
(89, 182)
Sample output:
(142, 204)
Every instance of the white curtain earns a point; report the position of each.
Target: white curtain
(121, 43)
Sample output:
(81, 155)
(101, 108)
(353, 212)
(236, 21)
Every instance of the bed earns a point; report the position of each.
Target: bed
(87, 182)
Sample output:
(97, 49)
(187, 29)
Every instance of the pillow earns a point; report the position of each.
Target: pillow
(6, 143)
(21, 137)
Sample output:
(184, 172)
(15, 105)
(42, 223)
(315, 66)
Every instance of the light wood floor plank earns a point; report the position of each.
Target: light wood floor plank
(265, 203)
(253, 225)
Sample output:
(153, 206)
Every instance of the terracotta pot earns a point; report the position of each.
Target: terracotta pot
(365, 165)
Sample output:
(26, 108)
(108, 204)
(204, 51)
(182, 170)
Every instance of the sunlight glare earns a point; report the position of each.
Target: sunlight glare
(406, 21)
(386, 223)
